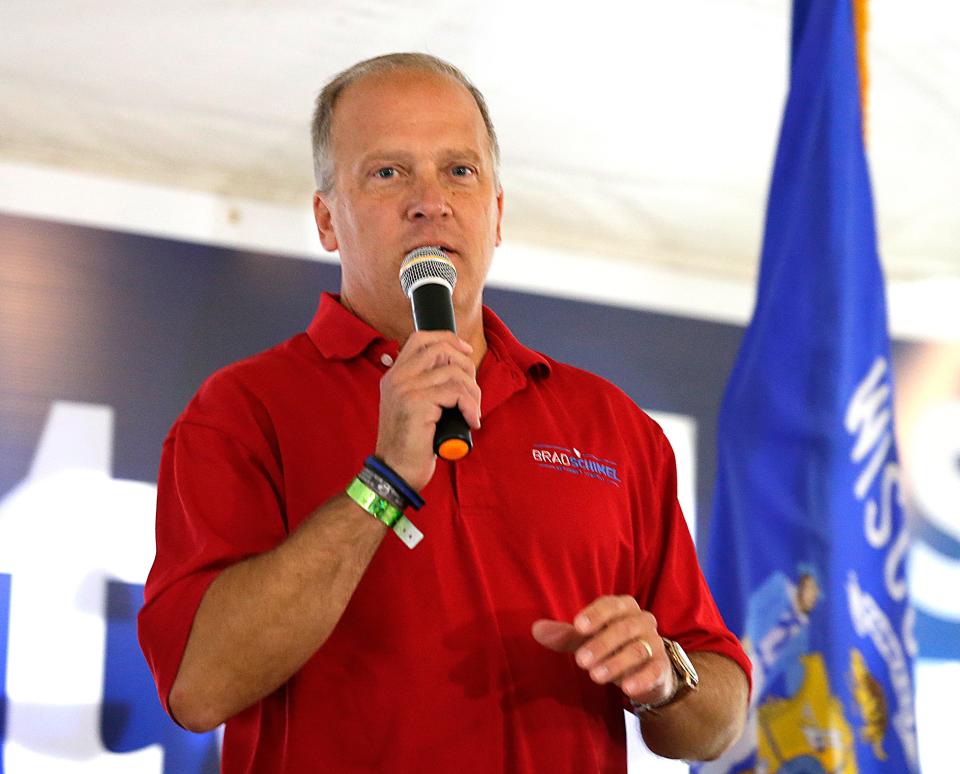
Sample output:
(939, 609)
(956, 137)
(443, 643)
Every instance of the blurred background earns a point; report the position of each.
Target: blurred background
(155, 183)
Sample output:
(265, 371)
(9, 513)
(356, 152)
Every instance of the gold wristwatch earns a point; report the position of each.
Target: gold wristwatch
(683, 670)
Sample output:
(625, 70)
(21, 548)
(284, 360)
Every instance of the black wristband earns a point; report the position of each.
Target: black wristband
(383, 488)
(380, 467)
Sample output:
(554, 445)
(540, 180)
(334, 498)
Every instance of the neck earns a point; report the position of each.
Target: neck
(397, 324)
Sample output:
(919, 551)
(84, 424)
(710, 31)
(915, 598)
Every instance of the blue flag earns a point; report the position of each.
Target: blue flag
(808, 542)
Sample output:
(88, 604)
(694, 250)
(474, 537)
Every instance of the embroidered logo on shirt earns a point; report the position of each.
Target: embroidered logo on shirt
(572, 460)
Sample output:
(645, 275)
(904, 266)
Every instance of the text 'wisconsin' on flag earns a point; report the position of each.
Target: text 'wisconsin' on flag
(808, 541)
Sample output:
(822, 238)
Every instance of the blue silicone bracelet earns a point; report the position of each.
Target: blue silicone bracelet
(378, 465)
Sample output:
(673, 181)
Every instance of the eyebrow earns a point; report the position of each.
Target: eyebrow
(385, 154)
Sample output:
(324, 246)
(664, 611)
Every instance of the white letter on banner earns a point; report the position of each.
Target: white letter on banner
(878, 522)
(869, 415)
(64, 531)
(894, 570)
(891, 494)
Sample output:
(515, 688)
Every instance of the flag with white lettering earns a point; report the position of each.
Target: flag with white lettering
(808, 541)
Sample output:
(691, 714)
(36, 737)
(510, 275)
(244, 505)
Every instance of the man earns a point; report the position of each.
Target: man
(534, 609)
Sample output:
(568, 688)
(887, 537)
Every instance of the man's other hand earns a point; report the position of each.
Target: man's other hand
(615, 641)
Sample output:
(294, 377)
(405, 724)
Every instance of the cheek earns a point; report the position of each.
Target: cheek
(350, 220)
(359, 227)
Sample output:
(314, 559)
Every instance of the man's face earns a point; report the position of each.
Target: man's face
(412, 167)
(808, 592)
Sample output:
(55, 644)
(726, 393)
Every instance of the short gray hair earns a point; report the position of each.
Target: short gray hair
(326, 101)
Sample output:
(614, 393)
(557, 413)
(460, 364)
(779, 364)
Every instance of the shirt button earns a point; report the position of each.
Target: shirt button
(386, 360)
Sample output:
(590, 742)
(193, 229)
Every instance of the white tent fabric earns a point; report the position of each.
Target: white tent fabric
(642, 132)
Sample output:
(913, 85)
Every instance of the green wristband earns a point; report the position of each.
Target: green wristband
(384, 511)
(373, 503)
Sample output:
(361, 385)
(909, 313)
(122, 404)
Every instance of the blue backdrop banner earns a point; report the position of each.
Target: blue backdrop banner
(808, 542)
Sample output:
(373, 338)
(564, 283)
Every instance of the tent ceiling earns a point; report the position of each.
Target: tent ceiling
(642, 131)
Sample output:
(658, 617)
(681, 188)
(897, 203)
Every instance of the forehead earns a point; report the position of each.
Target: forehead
(396, 104)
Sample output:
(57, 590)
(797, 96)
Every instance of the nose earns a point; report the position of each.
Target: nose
(429, 200)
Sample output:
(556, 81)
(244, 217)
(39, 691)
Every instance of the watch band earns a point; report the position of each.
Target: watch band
(683, 667)
(685, 674)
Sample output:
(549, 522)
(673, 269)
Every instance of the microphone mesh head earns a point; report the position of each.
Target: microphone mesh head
(426, 263)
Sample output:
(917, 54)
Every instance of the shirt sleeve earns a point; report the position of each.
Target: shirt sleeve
(219, 501)
(675, 590)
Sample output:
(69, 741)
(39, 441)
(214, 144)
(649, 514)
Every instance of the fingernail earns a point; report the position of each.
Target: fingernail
(582, 623)
(599, 673)
(585, 658)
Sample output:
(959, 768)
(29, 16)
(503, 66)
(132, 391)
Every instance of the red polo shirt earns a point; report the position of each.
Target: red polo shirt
(569, 494)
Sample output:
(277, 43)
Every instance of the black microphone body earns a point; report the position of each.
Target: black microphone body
(428, 278)
(433, 308)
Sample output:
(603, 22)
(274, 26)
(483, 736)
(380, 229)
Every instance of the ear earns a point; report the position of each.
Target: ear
(324, 221)
(499, 217)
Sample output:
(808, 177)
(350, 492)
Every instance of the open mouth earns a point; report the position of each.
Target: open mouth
(442, 246)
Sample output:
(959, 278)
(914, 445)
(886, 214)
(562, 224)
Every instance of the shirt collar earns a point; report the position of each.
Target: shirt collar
(504, 345)
(337, 332)
(340, 335)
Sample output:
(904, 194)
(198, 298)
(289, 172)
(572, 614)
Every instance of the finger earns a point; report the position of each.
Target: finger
(614, 638)
(633, 656)
(424, 376)
(445, 389)
(418, 381)
(418, 338)
(602, 611)
(464, 396)
(469, 406)
(430, 356)
(425, 340)
(650, 684)
(556, 635)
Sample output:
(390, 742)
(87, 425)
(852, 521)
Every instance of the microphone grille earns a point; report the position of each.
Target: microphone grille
(426, 263)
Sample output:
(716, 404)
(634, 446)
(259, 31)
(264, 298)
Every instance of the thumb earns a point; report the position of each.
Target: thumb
(556, 635)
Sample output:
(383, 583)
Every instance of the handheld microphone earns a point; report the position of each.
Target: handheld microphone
(428, 278)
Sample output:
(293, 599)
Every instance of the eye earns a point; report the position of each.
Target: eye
(462, 170)
(386, 173)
